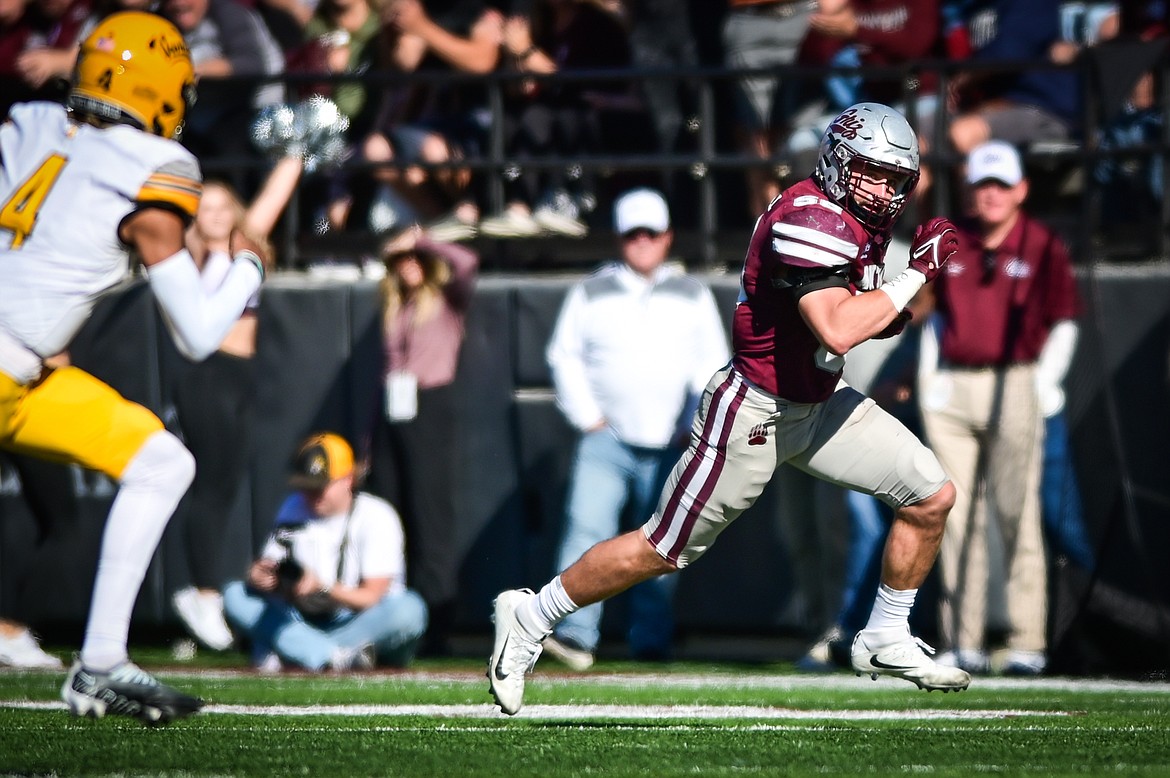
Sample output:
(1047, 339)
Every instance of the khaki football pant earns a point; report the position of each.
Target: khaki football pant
(741, 435)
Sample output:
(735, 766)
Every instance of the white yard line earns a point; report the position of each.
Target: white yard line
(829, 681)
(599, 712)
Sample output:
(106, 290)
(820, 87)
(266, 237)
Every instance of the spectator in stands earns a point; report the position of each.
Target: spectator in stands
(884, 33)
(300, 11)
(439, 124)
(1037, 104)
(286, 20)
(343, 36)
(633, 346)
(213, 399)
(1006, 305)
(865, 33)
(1123, 42)
(38, 46)
(13, 32)
(226, 39)
(329, 589)
(387, 197)
(549, 120)
(661, 38)
(425, 296)
(760, 34)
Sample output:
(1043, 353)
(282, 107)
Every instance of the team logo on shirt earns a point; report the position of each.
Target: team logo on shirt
(758, 436)
(1017, 268)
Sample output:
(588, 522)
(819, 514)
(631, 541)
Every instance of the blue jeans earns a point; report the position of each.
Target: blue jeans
(393, 626)
(607, 476)
(869, 522)
(1060, 499)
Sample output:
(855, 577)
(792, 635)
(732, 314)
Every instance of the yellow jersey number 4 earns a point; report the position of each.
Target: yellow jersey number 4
(19, 213)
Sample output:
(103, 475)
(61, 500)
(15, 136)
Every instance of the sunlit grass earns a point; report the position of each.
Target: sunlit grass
(687, 719)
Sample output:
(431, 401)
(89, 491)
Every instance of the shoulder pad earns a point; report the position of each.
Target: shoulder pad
(813, 232)
(176, 184)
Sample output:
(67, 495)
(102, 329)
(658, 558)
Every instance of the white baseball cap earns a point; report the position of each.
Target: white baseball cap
(641, 208)
(995, 160)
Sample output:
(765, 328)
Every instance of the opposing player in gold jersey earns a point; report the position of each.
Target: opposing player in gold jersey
(79, 189)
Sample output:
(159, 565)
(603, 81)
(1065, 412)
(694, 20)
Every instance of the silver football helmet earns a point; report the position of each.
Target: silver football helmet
(864, 140)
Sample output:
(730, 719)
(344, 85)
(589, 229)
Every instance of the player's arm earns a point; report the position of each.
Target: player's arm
(198, 320)
(841, 319)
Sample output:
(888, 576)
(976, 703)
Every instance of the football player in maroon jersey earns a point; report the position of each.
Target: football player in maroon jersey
(812, 288)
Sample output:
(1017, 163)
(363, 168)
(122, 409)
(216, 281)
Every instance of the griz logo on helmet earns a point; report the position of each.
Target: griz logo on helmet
(847, 125)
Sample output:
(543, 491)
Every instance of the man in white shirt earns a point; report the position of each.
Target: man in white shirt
(329, 589)
(632, 350)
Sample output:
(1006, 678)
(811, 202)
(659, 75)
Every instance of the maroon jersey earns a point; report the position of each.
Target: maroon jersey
(998, 308)
(804, 242)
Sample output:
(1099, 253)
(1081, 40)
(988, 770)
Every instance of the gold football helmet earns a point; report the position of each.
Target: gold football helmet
(134, 69)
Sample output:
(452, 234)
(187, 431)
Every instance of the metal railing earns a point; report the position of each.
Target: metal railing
(709, 162)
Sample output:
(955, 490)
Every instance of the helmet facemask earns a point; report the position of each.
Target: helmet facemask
(877, 193)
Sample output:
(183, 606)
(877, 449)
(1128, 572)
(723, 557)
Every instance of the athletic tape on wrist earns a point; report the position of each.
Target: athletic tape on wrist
(254, 258)
(901, 290)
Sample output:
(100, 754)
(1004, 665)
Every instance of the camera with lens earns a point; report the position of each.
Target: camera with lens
(288, 570)
(289, 573)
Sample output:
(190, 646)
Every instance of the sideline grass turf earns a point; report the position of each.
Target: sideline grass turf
(689, 719)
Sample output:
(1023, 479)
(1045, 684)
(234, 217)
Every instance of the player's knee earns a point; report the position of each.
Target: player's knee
(162, 462)
(651, 563)
(931, 514)
(943, 500)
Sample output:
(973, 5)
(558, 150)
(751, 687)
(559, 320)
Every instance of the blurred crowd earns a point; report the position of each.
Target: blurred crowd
(464, 158)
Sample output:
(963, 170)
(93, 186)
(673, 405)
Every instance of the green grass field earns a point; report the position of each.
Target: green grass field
(685, 719)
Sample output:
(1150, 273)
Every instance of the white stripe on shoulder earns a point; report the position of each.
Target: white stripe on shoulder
(816, 237)
(790, 248)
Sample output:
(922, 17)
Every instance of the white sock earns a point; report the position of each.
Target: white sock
(538, 615)
(150, 489)
(891, 608)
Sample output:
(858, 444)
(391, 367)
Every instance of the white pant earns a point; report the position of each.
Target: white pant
(741, 435)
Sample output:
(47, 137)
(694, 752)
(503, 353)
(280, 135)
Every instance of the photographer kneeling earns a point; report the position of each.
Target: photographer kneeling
(329, 589)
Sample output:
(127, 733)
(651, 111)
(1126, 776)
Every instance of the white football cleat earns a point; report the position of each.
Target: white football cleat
(572, 656)
(513, 654)
(897, 653)
(22, 650)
